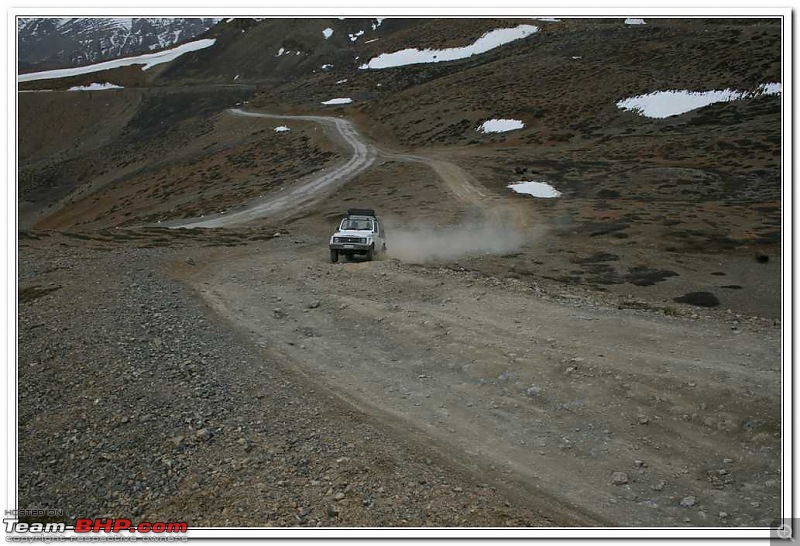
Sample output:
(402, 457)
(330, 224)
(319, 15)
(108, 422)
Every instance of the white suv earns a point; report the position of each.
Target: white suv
(360, 232)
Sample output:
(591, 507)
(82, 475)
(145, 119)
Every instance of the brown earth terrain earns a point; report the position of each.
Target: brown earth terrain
(611, 357)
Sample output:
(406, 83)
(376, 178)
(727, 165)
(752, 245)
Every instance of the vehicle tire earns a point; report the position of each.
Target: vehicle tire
(370, 253)
(334, 256)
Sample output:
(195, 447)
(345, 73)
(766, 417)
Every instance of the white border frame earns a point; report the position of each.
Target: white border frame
(457, 9)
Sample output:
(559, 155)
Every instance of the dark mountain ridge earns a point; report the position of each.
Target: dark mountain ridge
(49, 43)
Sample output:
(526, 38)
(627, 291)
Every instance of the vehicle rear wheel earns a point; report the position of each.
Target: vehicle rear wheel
(334, 256)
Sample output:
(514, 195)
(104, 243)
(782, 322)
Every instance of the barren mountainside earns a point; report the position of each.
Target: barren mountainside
(563, 83)
(577, 320)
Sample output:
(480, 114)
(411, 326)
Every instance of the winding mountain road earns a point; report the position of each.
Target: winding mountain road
(363, 155)
(463, 186)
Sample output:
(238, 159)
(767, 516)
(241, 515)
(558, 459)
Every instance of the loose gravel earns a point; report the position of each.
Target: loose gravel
(135, 401)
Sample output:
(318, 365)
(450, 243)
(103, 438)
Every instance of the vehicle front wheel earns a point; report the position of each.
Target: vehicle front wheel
(370, 253)
(334, 256)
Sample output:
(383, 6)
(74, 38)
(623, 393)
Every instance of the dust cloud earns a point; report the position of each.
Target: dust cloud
(424, 243)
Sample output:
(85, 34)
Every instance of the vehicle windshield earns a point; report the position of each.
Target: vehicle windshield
(356, 224)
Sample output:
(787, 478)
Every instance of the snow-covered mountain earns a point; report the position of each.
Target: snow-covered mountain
(67, 42)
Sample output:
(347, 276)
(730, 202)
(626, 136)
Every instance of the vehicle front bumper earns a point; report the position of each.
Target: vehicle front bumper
(352, 247)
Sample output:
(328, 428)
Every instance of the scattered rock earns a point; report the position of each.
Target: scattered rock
(190, 260)
(203, 435)
(314, 304)
(338, 496)
(533, 390)
(698, 299)
(658, 486)
(688, 501)
(619, 478)
(278, 313)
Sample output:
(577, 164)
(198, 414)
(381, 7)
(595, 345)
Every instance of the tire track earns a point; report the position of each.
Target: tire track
(462, 185)
(306, 193)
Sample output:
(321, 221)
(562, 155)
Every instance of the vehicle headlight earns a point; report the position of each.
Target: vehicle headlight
(337, 239)
(362, 240)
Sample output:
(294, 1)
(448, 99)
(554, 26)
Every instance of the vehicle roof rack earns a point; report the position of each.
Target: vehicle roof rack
(360, 212)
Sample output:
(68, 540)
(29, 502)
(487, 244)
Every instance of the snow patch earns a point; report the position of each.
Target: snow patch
(355, 36)
(378, 22)
(147, 61)
(631, 21)
(95, 87)
(773, 88)
(326, 66)
(281, 51)
(328, 32)
(487, 42)
(547, 19)
(664, 104)
(500, 125)
(536, 189)
(337, 101)
(282, 129)
(342, 81)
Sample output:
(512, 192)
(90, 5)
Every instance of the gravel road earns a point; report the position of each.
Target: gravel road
(230, 377)
(304, 192)
(137, 400)
(616, 414)
(463, 187)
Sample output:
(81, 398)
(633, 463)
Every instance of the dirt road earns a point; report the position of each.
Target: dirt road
(607, 416)
(621, 417)
(307, 192)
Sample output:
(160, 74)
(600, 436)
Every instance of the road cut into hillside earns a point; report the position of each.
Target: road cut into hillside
(305, 193)
(602, 416)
